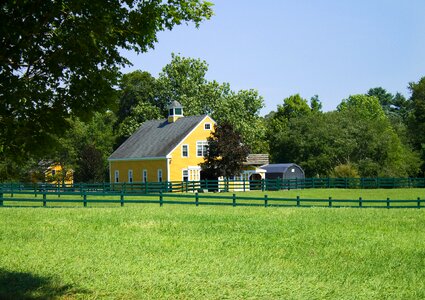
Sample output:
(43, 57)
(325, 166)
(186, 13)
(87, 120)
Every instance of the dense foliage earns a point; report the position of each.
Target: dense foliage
(368, 135)
(226, 152)
(364, 137)
(142, 97)
(61, 60)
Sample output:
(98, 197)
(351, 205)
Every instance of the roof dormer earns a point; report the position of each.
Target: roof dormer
(175, 111)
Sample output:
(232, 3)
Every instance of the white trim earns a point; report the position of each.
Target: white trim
(193, 129)
(187, 145)
(143, 175)
(168, 168)
(139, 158)
(194, 168)
(187, 170)
(201, 141)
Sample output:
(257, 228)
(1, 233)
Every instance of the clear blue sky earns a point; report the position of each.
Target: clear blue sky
(332, 48)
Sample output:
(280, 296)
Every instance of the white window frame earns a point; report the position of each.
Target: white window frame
(117, 176)
(205, 126)
(203, 150)
(159, 173)
(183, 174)
(130, 176)
(187, 147)
(145, 175)
(181, 111)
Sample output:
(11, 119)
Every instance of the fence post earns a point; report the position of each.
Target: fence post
(234, 200)
(1, 196)
(265, 201)
(85, 199)
(419, 202)
(298, 201)
(330, 201)
(388, 202)
(196, 199)
(360, 202)
(122, 198)
(44, 198)
(161, 199)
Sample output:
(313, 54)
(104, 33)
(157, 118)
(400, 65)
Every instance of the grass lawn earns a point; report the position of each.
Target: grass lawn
(209, 252)
(304, 194)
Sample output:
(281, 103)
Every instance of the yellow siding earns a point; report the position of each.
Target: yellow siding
(179, 163)
(69, 178)
(138, 166)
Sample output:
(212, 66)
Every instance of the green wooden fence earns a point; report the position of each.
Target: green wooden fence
(43, 198)
(226, 185)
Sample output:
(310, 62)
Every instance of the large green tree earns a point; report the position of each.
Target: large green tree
(226, 152)
(183, 80)
(61, 59)
(416, 120)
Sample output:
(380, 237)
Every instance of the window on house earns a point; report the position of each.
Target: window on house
(130, 176)
(145, 176)
(171, 112)
(201, 148)
(117, 176)
(159, 175)
(207, 126)
(178, 111)
(185, 150)
(185, 175)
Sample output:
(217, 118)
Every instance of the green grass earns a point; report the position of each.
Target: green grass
(206, 252)
(341, 194)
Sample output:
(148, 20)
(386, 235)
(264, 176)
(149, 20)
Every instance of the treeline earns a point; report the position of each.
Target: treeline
(372, 135)
(368, 135)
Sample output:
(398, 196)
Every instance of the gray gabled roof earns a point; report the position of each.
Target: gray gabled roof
(156, 138)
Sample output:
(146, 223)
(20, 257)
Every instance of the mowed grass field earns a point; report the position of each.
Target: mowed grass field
(145, 251)
(242, 198)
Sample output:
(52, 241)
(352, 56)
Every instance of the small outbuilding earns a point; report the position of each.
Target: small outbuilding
(283, 171)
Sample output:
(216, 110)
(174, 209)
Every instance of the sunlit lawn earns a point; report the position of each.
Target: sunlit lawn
(242, 198)
(211, 252)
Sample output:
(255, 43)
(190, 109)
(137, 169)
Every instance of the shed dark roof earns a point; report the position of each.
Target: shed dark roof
(156, 138)
(278, 168)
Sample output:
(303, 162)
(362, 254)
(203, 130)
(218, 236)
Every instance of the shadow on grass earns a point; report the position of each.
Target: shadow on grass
(27, 286)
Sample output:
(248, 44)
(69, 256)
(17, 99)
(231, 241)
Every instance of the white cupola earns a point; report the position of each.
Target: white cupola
(175, 111)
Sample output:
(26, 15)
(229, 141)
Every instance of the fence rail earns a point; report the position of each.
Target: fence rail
(220, 185)
(43, 198)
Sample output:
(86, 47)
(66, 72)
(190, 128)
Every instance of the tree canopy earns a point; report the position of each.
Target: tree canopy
(143, 97)
(357, 137)
(61, 59)
(226, 152)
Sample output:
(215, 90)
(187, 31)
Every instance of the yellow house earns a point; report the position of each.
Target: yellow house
(163, 150)
(54, 174)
